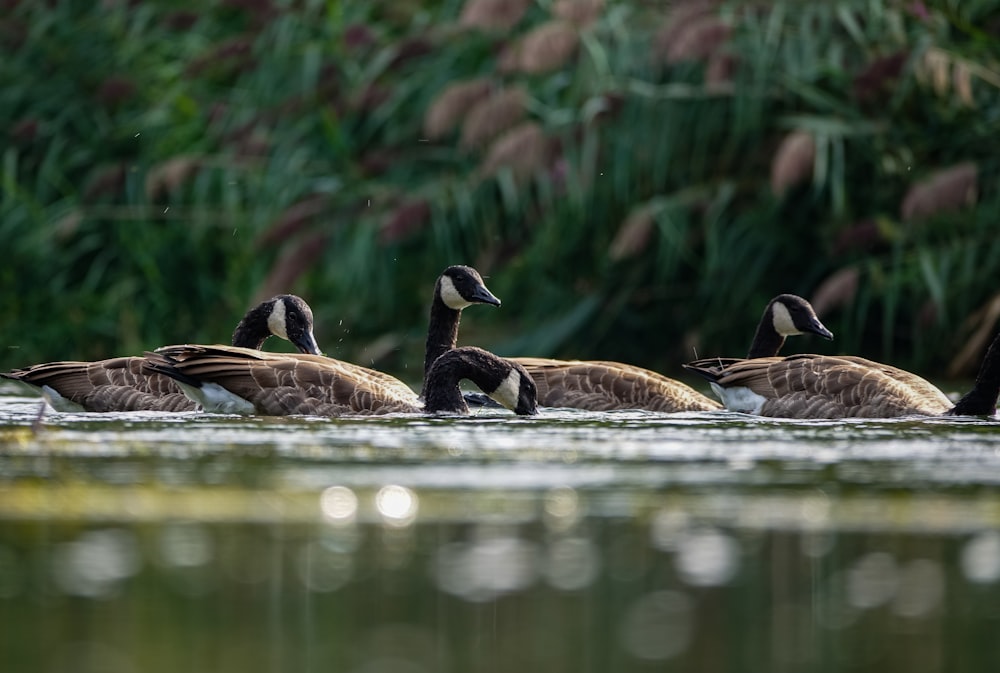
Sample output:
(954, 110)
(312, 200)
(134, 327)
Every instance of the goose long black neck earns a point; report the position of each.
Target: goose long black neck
(766, 341)
(982, 399)
(442, 334)
(441, 390)
(252, 331)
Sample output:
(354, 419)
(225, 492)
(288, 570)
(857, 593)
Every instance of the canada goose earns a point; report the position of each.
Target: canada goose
(600, 385)
(819, 386)
(239, 380)
(121, 384)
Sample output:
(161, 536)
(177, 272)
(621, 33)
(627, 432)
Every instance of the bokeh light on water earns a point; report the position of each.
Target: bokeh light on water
(95, 563)
(340, 505)
(398, 505)
(571, 542)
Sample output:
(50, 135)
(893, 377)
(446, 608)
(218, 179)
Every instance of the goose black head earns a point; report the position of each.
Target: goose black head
(461, 286)
(286, 316)
(791, 315)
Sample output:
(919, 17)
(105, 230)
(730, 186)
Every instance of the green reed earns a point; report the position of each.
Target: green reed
(166, 164)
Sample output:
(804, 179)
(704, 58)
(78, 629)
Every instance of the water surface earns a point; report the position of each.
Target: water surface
(575, 541)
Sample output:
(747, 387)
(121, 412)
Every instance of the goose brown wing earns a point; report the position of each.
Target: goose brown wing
(292, 384)
(604, 385)
(836, 387)
(385, 383)
(817, 386)
(917, 384)
(115, 384)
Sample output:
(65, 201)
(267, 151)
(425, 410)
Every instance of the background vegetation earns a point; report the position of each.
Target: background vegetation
(636, 178)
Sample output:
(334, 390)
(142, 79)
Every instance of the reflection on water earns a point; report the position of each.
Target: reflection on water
(570, 542)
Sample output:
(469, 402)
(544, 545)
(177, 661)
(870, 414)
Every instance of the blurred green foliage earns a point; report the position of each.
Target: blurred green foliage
(636, 179)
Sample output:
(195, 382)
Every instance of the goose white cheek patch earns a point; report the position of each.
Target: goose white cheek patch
(451, 296)
(276, 320)
(783, 323)
(507, 392)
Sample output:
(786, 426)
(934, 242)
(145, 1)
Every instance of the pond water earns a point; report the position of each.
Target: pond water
(573, 542)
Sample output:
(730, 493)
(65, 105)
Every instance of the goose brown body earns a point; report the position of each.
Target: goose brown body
(602, 385)
(124, 384)
(822, 386)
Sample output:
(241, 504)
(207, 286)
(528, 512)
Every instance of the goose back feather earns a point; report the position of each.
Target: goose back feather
(604, 385)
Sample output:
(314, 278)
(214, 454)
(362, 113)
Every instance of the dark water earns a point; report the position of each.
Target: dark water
(570, 542)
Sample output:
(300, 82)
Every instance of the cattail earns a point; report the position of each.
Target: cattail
(373, 96)
(793, 162)
(451, 105)
(181, 20)
(260, 12)
(874, 81)
(935, 66)
(67, 225)
(410, 49)
(838, 289)
(106, 181)
(982, 323)
(13, 33)
(24, 132)
(509, 60)
(377, 161)
(678, 21)
(700, 39)
(293, 219)
(168, 176)
(115, 90)
(292, 263)
(495, 15)
(865, 235)
(254, 146)
(580, 13)
(946, 190)
(358, 36)
(231, 57)
(545, 48)
(405, 221)
(961, 75)
(492, 116)
(720, 70)
(634, 234)
(524, 150)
